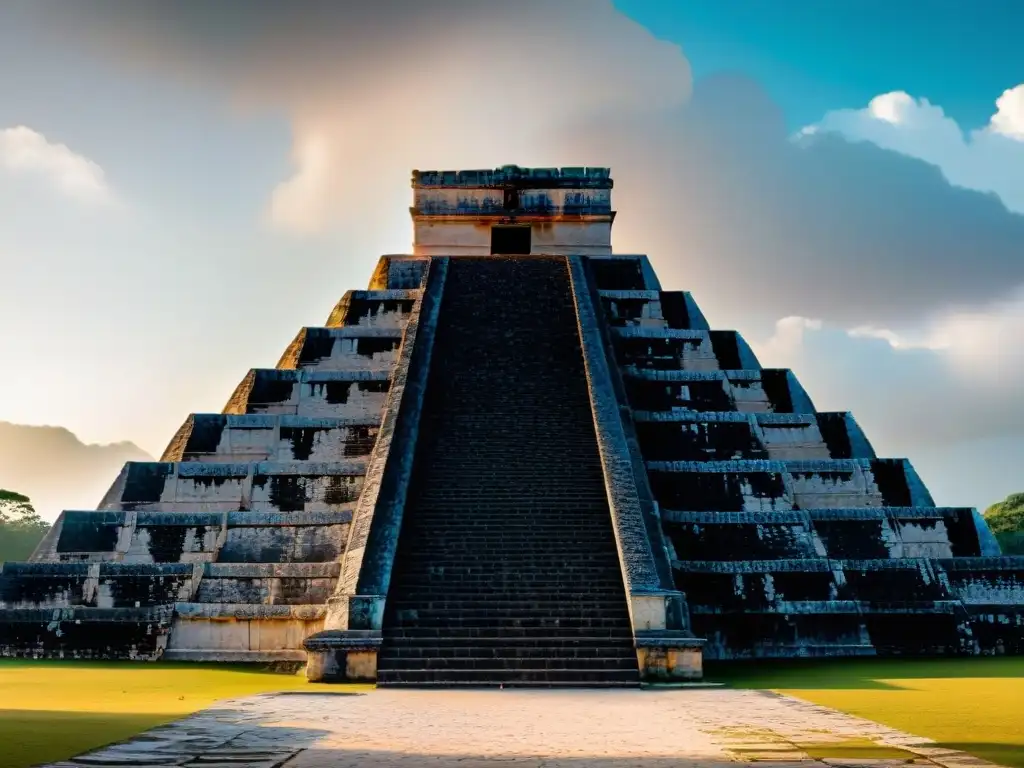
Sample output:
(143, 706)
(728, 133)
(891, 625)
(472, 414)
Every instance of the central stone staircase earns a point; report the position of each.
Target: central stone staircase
(507, 570)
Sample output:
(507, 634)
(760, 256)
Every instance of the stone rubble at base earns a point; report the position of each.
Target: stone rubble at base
(743, 522)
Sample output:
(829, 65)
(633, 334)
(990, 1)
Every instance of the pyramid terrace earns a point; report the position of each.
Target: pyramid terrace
(515, 459)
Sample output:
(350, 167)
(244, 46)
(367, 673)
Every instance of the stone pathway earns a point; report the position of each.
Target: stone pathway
(682, 728)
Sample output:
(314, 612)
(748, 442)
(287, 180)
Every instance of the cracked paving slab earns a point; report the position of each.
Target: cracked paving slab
(696, 728)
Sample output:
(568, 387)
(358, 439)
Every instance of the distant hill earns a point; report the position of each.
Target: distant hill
(58, 471)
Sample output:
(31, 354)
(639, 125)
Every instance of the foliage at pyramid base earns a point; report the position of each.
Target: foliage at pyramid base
(530, 469)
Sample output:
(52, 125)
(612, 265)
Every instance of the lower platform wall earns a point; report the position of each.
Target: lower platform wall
(989, 631)
(198, 537)
(242, 634)
(85, 633)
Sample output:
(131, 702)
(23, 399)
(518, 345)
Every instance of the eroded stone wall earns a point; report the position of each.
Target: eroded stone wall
(229, 547)
(788, 536)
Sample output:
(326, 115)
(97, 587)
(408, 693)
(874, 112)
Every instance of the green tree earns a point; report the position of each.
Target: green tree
(21, 528)
(1006, 519)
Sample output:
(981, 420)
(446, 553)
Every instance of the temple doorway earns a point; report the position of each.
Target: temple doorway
(510, 239)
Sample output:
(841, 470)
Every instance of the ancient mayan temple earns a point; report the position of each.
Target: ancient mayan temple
(515, 459)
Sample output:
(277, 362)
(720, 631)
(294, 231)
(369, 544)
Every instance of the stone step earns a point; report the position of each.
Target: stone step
(852, 533)
(657, 309)
(466, 516)
(588, 600)
(507, 503)
(467, 522)
(496, 560)
(480, 588)
(477, 453)
(463, 525)
(513, 481)
(576, 556)
(770, 390)
(462, 510)
(694, 436)
(579, 557)
(189, 536)
(748, 486)
(624, 662)
(498, 582)
(452, 559)
(218, 437)
(555, 677)
(525, 566)
(485, 608)
(399, 272)
(593, 648)
(508, 634)
(296, 486)
(515, 520)
(442, 540)
(493, 532)
(312, 393)
(443, 683)
(577, 642)
(622, 272)
(549, 501)
(348, 348)
(597, 578)
(457, 593)
(526, 554)
(374, 309)
(649, 348)
(564, 619)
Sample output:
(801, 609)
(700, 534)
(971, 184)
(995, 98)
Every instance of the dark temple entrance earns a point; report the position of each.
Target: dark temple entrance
(510, 239)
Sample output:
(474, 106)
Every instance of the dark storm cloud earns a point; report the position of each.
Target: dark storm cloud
(753, 221)
(727, 204)
(723, 199)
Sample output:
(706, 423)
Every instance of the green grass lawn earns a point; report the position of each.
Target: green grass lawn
(51, 711)
(54, 710)
(976, 705)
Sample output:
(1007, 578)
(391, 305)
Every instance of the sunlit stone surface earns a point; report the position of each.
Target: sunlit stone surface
(515, 459)
(535, 729)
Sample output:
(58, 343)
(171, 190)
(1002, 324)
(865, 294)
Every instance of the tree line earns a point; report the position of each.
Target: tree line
(21, 528)
(1006, 519)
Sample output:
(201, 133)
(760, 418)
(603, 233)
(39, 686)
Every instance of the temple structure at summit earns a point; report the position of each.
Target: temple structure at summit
(515, 459)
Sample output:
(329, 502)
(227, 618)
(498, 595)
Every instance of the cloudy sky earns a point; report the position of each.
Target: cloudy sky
(184, 185)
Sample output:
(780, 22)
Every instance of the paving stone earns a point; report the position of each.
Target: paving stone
(541, 729)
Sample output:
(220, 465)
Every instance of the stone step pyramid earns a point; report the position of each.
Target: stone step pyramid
(515, 460)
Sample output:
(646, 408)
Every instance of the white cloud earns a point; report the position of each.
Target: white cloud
(957, 420)
(903, 340)
(871, 332)
(1009, 117)
(23, 150)
(983, 348)
(786, 343)
(374, 90)
(988, 159)
(302, 204)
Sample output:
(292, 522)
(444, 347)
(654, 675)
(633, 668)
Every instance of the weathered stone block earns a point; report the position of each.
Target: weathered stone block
(373, 309)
